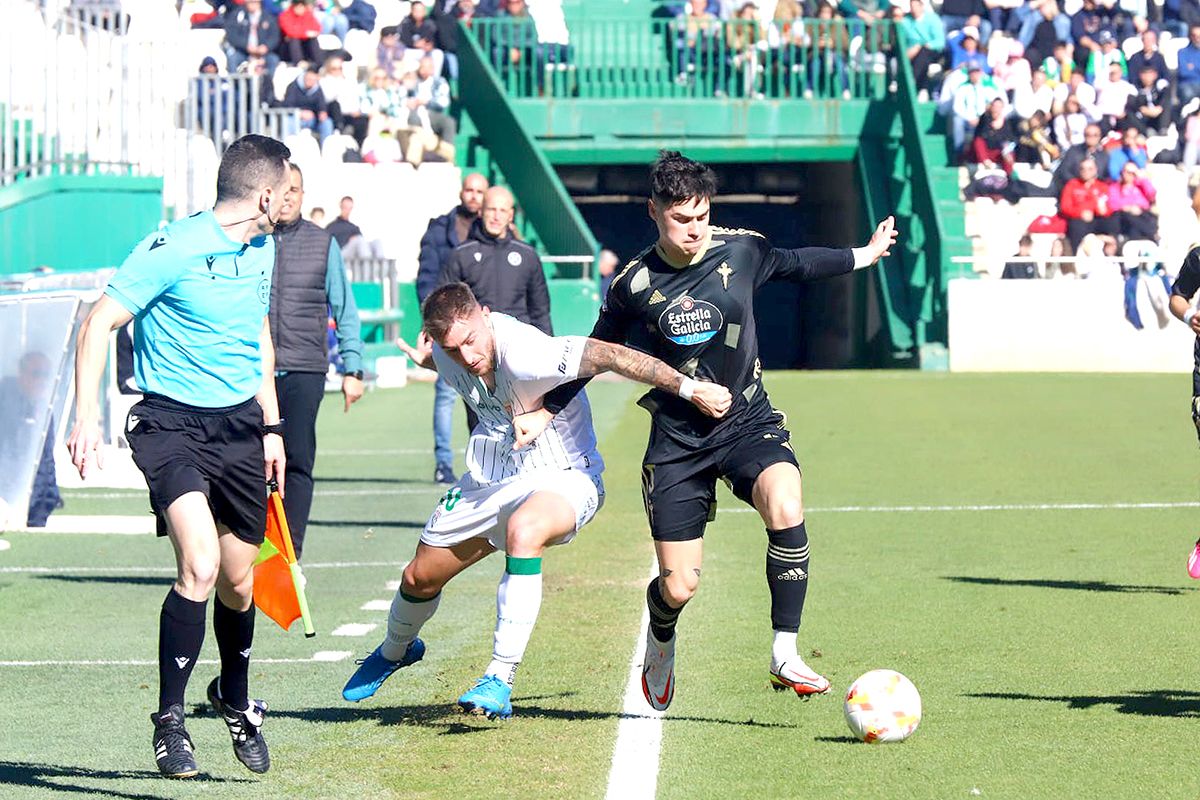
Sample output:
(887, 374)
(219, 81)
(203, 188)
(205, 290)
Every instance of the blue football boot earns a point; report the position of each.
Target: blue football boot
(375, 669)
(488, 697)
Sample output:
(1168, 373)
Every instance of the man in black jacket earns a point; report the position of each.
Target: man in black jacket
(443, 235)
(251, 33)
(504, 274)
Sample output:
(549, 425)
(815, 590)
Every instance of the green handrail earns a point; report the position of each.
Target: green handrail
(533, 180)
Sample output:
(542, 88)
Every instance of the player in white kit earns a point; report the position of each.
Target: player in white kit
(518, 501)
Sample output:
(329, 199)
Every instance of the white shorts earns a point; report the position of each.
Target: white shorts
(472, 510)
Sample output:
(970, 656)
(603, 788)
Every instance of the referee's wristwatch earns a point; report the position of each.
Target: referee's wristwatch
(358, 373)
(276, 428)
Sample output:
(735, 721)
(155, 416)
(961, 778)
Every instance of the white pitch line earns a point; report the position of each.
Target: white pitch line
(393, 586)
(634, 772)
(171, 570)
(354, 629)
(317, 658)
(376, 605)
(987, 507)
(116, 524)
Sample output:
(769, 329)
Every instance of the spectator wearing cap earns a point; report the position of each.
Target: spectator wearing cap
(360, 15)
(1131, 201)
(1113, 95)
(958, 14)
(964, 47)
(300, 27)
(1187, 79)
(1150, 108)
(1084, 205)
(926, 39)
(389, 54)
(1100, 60)
(305, 94)
(970, 101)
(1131, 150)
(1040, 32)
(1086, 27)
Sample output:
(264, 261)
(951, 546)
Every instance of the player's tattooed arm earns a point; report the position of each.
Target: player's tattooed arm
(600, 356)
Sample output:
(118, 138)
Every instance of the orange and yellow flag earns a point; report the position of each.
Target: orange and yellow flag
(278, 581)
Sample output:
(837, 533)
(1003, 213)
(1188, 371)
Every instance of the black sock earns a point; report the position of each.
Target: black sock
(235, 635)
(180, 634)
(662, 616)
(787, 576)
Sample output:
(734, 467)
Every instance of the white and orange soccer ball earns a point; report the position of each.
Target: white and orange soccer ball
(882, 706)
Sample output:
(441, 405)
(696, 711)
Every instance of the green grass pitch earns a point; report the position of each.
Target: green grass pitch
(1052, 646)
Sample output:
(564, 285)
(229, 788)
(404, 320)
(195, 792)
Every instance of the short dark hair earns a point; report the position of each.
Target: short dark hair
(250, 164)
(445, 306)
(675, 178)
(347, 197)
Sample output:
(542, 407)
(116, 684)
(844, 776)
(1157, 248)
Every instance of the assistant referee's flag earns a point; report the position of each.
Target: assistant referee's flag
(278, 581)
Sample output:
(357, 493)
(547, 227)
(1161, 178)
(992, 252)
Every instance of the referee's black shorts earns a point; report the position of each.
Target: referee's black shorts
(679, 485)
(217, 451)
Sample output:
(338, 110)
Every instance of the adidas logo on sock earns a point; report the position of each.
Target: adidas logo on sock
(793, 574)
(182, 661)
(245, 653)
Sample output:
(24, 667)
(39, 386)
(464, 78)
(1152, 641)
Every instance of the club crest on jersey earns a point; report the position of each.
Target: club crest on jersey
(688, 321)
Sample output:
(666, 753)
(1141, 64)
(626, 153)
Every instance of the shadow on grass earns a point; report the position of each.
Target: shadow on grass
(837, 740)
(128, 580)
(1147, 703)
(351, 523)
(1082, 586)
(56, 777)
(450, 719)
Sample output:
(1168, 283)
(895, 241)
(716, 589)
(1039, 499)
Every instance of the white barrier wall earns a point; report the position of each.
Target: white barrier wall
(1059, 326)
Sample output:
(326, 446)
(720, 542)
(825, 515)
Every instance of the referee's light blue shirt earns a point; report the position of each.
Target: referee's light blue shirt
(198, 299)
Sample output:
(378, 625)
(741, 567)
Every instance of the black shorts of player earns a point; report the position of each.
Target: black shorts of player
(217, 451)
(679, 487)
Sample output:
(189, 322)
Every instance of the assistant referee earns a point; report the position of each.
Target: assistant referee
(206, 435)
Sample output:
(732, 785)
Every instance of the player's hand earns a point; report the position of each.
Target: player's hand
(352, 390)
(1195, 324)
(422, 354)
(85, 445)
(883, 239)
(712, 398)
(276, 461)
(529, 426)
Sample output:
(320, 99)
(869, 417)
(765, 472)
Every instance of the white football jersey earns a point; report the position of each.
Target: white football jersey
(528, 364)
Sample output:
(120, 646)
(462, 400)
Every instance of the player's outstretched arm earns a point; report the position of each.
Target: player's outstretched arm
(91, 354)
(422, 354)
(600, 356)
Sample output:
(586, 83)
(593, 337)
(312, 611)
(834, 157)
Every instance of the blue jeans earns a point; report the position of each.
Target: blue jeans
(336, 24)
(323, 128)
(443, 417)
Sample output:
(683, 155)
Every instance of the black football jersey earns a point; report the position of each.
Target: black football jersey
(700, 320)
(1187, 283)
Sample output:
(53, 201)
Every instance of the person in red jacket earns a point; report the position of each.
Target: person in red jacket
(1084, 205)
(300, 27)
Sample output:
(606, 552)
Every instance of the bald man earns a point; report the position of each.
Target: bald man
(504, 274)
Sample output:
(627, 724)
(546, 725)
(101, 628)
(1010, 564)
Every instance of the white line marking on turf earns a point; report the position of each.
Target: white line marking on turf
(317, 658)
(988, 507)
(171, 570)
(376, 605)
(354, 629)
(96, 523)
(393, 586)
(634, 772)
(5, 544)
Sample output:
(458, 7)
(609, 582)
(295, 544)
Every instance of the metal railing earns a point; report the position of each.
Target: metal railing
(76, 97)
(227, 107)
(836, 58)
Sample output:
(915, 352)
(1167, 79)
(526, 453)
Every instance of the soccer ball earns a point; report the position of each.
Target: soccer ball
(882, 706)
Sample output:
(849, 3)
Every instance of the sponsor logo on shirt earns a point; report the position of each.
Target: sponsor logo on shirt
(688, 321)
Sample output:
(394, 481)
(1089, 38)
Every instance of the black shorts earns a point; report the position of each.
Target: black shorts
(679, 486)
(217, 451)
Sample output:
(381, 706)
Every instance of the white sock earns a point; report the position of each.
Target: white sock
(518, 600)
(783, 647)
(405, 619)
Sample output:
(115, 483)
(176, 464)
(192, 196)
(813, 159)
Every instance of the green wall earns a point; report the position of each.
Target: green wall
(75, 222)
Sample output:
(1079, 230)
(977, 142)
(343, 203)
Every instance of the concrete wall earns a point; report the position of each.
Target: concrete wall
(1059, 326)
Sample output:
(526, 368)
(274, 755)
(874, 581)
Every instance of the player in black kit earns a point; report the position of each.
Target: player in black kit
(689, 300)
(1186, 285)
